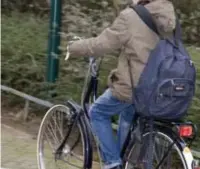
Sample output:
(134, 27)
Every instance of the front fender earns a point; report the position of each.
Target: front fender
(83, 121)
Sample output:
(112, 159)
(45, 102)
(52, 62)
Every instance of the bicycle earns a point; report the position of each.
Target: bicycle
(66, 129)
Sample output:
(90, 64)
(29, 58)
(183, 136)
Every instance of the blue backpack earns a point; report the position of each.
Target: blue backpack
(167, 84)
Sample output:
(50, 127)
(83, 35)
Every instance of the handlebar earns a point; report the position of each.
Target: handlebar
(94, 67)
(67, 54)
(91, 58)
(74, 38)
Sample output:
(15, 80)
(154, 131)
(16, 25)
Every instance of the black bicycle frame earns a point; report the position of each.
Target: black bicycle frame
(90, 92)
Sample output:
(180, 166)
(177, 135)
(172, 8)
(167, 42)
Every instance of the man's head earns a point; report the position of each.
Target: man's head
(142, 2)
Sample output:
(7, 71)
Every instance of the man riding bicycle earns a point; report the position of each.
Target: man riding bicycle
(135, 40)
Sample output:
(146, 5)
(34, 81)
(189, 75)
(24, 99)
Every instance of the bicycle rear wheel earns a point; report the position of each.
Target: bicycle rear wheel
(166, 154)
(54, 126)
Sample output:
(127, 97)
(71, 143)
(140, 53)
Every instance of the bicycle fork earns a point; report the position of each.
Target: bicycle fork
(58, 152)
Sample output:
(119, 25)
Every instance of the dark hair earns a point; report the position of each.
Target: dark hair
(144, 2)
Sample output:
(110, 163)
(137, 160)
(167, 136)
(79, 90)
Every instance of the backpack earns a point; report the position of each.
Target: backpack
(167, 84)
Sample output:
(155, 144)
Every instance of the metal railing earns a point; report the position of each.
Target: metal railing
(27, 98)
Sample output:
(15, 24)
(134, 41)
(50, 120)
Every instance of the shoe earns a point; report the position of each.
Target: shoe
(117, 167)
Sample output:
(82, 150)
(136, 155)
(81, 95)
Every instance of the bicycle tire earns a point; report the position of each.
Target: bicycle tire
(134, 164)
(40, 143)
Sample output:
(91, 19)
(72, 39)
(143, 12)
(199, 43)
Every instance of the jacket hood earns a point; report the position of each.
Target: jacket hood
(163, 14)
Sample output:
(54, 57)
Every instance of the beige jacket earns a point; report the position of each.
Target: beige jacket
(135, 40)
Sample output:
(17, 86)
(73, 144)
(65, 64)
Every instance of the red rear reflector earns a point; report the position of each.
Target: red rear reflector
(185, 131)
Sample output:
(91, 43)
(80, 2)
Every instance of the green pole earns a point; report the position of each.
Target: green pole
(54, 40)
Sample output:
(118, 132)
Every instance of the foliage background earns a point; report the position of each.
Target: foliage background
(25, 26)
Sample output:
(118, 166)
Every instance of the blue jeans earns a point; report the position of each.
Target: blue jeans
(100, 114)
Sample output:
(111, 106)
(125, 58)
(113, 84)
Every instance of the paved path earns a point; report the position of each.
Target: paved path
(18, 149)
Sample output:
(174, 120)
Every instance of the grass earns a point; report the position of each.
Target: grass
(24, 44)
(194, 114)
(24, 58)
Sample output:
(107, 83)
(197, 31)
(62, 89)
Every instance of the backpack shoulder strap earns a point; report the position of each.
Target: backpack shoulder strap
(145, 15)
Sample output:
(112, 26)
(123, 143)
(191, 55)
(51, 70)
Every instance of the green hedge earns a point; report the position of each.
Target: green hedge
(24, 46)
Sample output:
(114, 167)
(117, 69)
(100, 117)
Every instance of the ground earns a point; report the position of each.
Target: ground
(18, 149)
(19, 141)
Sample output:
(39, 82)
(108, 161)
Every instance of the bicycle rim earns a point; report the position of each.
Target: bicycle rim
(174, 157)
(53, 128)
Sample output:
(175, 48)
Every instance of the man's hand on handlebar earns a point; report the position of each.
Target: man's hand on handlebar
(74, 38)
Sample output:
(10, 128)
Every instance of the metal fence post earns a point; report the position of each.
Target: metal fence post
(54, 40)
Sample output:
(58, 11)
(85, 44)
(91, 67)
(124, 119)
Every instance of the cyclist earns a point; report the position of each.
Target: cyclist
(135, 40)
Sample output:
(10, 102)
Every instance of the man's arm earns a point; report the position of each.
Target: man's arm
(110, 39)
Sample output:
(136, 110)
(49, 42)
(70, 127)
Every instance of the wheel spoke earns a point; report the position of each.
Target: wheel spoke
(61, 122)
(76, 142)
(166, 154)
(76, 156)
(52, 132)
(49, 141)
(56, 126)
(168, 159)
(73, 164)
(159, 150)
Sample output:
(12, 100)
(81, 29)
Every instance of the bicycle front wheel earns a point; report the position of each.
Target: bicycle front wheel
(166, 154)
(55, 125)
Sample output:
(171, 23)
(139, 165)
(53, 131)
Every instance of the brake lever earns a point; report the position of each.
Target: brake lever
(77, 38)
(67, 54)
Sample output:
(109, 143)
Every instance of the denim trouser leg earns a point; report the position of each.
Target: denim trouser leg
(125, 119)
(100, 113)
